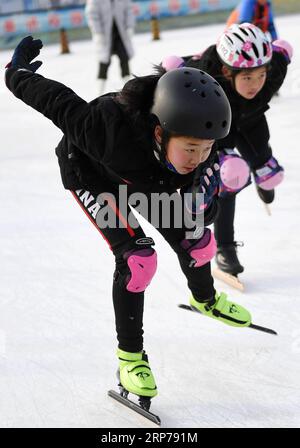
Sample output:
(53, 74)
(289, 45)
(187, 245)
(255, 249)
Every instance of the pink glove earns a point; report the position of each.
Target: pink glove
(172, 62)
(283, 45)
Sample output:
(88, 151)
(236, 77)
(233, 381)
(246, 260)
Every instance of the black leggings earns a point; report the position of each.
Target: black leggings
(121, 238)
(256, 151)
(119, 49)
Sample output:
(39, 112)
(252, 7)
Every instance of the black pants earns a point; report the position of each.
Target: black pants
(256, 151)
(121, 238)
(118, 48)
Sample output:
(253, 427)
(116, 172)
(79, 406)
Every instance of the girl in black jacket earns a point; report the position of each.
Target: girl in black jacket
(154, 137)
(251, 70)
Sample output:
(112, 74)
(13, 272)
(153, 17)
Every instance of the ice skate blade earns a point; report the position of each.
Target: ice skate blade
(135, 407)
(253, 326)
(229, 279)
(268, 209)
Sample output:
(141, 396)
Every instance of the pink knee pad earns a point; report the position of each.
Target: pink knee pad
(172, 62)
(142, 264)
(204, 250)
(234, 171)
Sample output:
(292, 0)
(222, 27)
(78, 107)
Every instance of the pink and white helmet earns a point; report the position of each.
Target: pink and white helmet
(244, 46)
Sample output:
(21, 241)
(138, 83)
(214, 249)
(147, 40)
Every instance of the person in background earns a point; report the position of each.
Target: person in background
(258, 12)
(250, 68)
(111, 23)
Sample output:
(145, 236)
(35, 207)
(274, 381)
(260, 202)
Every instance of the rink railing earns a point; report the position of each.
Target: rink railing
(45, 21)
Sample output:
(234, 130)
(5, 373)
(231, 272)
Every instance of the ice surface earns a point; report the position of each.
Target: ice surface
(57, 339)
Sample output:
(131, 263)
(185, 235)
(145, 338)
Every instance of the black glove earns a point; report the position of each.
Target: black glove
(27, 50)
(207, 182)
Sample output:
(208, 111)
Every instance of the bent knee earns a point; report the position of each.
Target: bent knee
(137, 266)
(201, 251)
(142, 265)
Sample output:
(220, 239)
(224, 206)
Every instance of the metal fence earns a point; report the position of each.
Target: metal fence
(43, 16)
(18, 6)
(12, 6)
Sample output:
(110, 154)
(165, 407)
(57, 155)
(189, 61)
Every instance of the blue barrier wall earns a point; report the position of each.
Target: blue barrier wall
(73, 17)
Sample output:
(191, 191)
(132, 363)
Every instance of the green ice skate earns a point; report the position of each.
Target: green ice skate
(135, 374)
(223, 310)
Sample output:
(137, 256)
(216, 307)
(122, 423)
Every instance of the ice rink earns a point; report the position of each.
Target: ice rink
(57, 337)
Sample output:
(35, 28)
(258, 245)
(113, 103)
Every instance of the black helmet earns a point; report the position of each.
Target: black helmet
(189, 102)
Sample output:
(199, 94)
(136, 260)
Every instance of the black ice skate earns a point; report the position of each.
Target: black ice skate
(267, 196)
(227, 259)
(228, 265)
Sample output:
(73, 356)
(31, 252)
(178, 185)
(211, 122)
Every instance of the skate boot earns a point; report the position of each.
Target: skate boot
(227, 260)
(223, 310)
(267, 196)
(135, 375)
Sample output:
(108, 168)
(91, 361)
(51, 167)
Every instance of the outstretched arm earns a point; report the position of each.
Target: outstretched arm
(282, 54)
(54, 100)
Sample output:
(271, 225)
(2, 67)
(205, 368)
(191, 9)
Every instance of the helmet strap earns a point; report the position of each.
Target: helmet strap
(161, 151)
(170, 166)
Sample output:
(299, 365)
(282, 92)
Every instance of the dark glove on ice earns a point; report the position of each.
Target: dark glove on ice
(27, 50)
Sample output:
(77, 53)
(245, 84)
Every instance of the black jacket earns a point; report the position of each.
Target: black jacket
(246, 114)
(101, 146)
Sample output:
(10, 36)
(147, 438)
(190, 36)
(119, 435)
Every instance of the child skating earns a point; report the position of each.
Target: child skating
(250, 69)
(156, 136)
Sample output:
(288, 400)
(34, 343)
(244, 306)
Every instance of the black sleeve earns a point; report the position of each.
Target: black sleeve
(212, 212)
(74, 116)
(186, 58)
(276, 74)
(208, 62)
